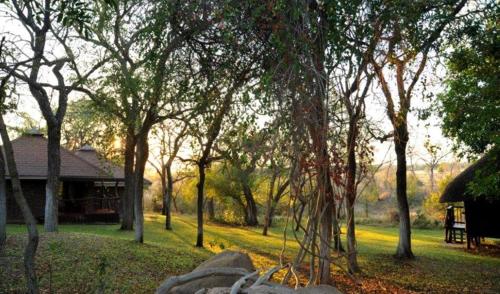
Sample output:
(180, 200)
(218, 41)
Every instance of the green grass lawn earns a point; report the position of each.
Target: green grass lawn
(84, 258)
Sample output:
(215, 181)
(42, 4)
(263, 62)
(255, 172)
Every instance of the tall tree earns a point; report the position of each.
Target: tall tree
(227, 56)
(147, 80)
(409, 33)
(215, 112)
(48, 23)
(8, 160)
(169, 143)
(469, 104)
(276, 163)
(242, 148)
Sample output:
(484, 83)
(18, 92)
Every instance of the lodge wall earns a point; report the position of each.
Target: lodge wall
(34, 192)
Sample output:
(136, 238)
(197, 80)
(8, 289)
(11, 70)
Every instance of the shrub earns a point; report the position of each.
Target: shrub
(423, 222)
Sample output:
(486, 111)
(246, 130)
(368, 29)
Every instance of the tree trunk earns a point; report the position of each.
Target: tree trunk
(325, 241)
(164, 188)
(352, 260)
(168, 198)
(3, 206)
(267, 217)
(301, 213)
(52, 185)
(433, 183)
(200, 186)
(127, 199)
(211, 209)
(141, 158)
(174, 201)
(366, 206)
(31, 246)
(404, 246)
(251, 206)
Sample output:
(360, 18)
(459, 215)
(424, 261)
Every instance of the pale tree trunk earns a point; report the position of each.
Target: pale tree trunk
(127, 199)
(142, 153)
(404, 245)
(31, 246)
(52, 185)
(200, 186)
(168, 198)
(433, 183)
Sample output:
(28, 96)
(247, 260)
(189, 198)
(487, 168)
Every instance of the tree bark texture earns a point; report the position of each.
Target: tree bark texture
(267, 217)
(52, 185)
(352, 260)
(404, 244)
(31, 246)
(168, 197)
(141, 158)
(250, 207)
(3, 205)
(200, 186)
(211, 209)
(127, 199)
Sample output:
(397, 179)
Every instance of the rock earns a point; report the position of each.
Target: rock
(276, 289)
(262, 289)
(320, 289)
(226, 258)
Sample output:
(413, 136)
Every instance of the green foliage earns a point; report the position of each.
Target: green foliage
(487, 179)
(431, 206)
(87, 124)
(423, 222)
(415, 190)
(470, 104)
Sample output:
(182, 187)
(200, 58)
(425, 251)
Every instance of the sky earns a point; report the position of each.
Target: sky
(375, 110)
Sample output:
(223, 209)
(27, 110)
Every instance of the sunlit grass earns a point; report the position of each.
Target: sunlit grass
(76, 253)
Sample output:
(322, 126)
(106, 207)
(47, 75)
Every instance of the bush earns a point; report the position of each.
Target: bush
(423, 222)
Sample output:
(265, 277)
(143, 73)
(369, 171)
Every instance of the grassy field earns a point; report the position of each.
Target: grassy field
(85, 258)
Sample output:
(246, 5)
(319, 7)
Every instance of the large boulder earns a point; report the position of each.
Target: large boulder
(225, 259)
(320, 289)
(275, 289)
(262, 289)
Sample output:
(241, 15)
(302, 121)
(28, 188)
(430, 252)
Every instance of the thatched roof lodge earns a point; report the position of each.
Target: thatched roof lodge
(482, 212)
(90, 185)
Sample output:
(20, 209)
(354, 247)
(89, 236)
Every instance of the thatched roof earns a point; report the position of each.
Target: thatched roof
(455, 191)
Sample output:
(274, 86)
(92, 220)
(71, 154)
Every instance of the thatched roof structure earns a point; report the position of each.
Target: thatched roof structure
(455, 191)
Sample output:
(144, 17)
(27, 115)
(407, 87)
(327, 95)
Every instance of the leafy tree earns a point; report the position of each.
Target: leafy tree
(432, 206)
(227, 56)
(170, 139)
(147, 79)
(86, 124)
(243, 147)
(470, 105)
(7, 160)
(408, 33)
(48, 24)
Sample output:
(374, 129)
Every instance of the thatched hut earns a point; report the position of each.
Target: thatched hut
(482, 213)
